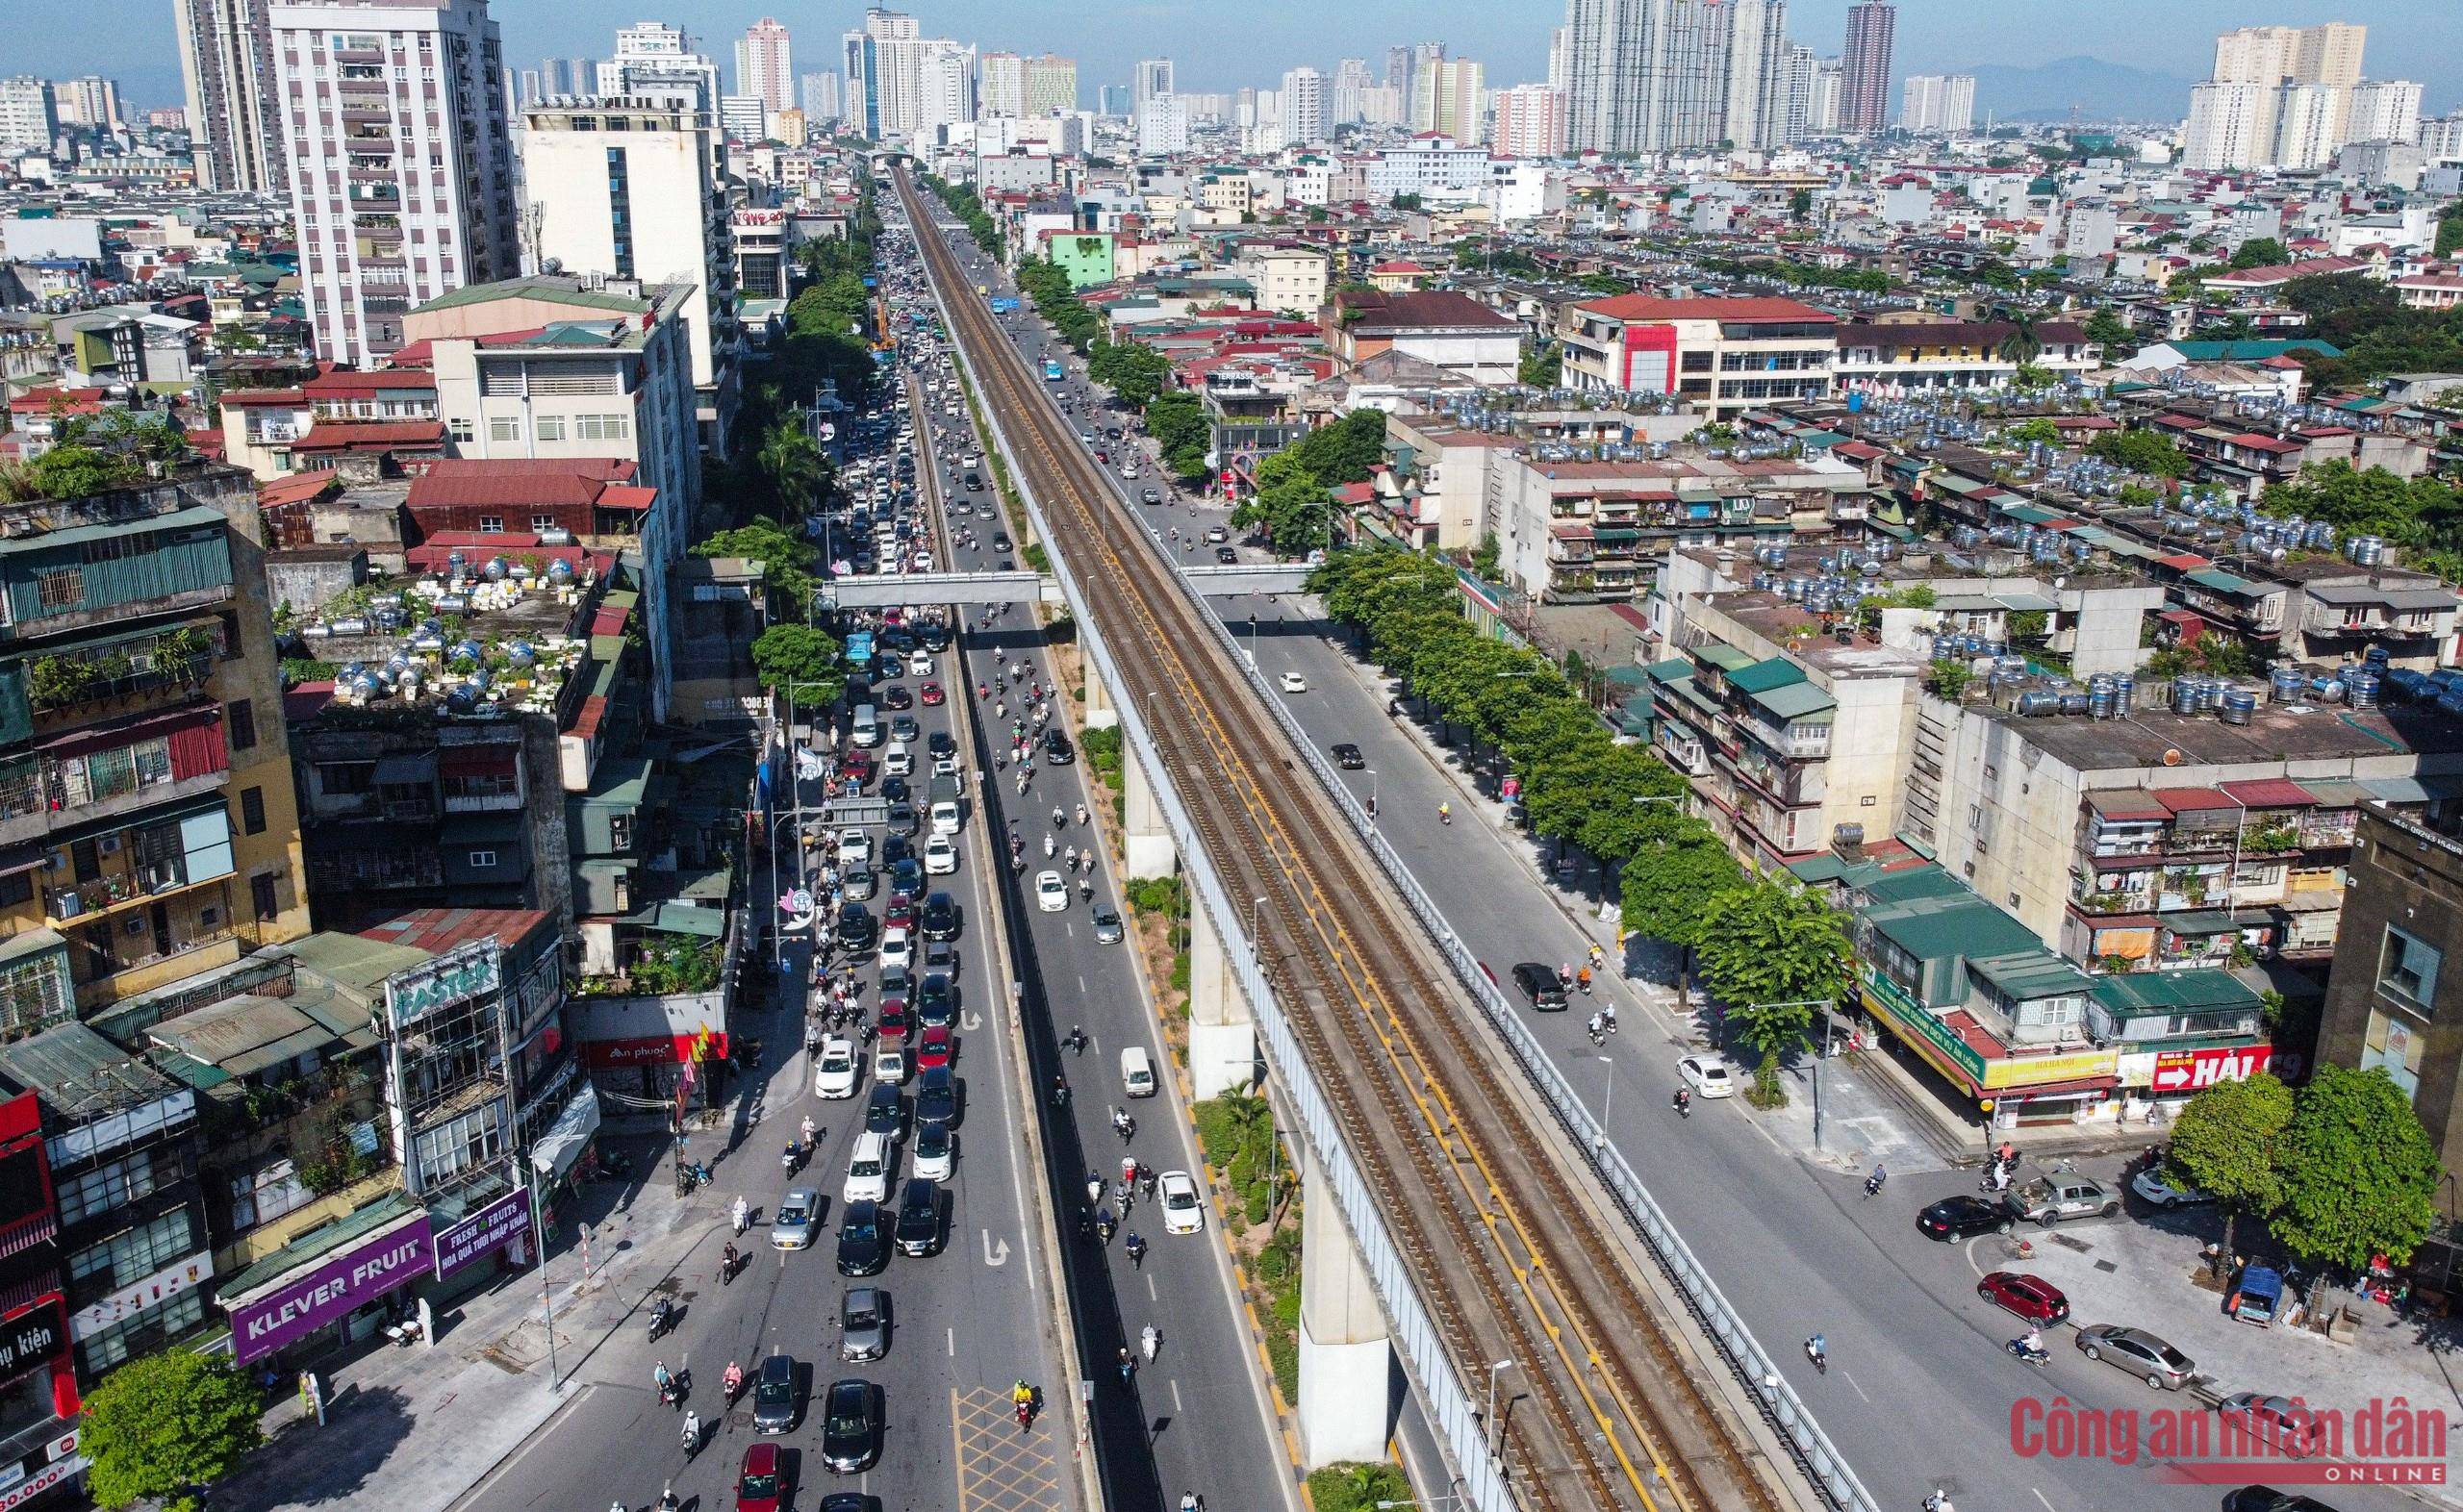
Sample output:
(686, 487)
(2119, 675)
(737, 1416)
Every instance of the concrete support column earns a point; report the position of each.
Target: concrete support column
(1149, 840)
(1346, 1367)
(1100, 712)
(1223, 1031)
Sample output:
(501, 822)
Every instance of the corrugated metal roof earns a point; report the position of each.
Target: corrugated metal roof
(317, 1243)
(2024, 974)
(2172, 992)
(1726, 658)
(78, 1072)
(1796, 701)
(2272, 792)
(2128, 803)
(1762, 676)
(77, 535)
(2222, 582)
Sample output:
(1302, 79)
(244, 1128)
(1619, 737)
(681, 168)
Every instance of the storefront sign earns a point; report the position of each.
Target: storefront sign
(463, 973)
(51, 1475)
(2018, 1072)
(353, 1279)
(483, 1233)
(38, 1334)
(664, 1049)
(2180, 1073)
(138, 1295)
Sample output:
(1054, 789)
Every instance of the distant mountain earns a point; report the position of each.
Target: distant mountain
(2100, 90)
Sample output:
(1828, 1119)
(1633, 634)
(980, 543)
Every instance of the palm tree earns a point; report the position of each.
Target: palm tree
(2022, 345)
(794, 465)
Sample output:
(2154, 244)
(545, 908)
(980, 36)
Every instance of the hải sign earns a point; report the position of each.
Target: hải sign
(2181, 1071)
(483, 1233)
(343, 1284)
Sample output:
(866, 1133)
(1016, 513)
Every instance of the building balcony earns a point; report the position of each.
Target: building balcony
(62, 690)
(22, 824)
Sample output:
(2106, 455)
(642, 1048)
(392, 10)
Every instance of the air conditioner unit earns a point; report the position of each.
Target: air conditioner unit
(108, 846)
(56, 861)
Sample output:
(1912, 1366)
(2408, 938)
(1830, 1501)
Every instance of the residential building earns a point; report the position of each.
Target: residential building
(144, 775)
(944, 89)
(1112, 100)
(1936, 102)
(1530, 123)
(655, 63)
(1162, 126)
(2392, 1004)
(1794, 92)
(2278, 95)
(1661, 75)
(377, 232)
(29, 114)
(39, 1403)
(1052, 86)
(551, 369)
(1453, 331)
(1303, 107)
(1825, 109)
(1915, 352)
(743, 117)
(1153, 77)
(1723, 356)
(1447, 97)
(764, 65)
(2384, 109)
(1003, 85)
(820, 98)
(908, 84)
(1864, 104)
(628, 192)
(1289, 279)
(90, 100)
(1352, 81)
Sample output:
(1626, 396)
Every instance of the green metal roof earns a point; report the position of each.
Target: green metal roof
(1762, 676)
(319, 1242)
(2025, 974)
(2222, 582)
(78, 535)
(1726, 658)
(2251, 352)
(1796, 701)
(2031, 513)
(2172, 992)
(1940, 928)
(1914, 882)
(2202, 921)
(552, 290)
(1675, 668)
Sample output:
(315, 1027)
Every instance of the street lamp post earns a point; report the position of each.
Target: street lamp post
(1490, 1423)
(1822, 1007)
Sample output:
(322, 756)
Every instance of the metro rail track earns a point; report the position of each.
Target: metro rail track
(1505, 1255)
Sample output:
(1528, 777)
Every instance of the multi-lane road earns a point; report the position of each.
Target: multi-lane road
(1921, 1395)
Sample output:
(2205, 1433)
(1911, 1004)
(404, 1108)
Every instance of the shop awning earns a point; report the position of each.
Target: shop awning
(568, 1137)
(2200, 922)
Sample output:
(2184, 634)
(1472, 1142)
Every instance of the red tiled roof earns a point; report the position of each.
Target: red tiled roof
(512, 481)
(294, 488)
(2272, 792)
(626, 496)
(1647, 306)
(69, 401)
(352, 380)
(247, 398)
(2183, 800)
(2256, 442)
(306, 700)
(609, 621)
(2186, 561)
(1427, 307)
(364, 435)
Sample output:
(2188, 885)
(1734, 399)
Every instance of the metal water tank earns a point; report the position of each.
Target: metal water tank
(2187, 695)
(2239, 706)
(2283, 684)
(2363, 690)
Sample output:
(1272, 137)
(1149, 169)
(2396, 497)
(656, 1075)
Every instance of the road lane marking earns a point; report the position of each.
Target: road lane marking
(999, 1468)
(2039, 1496)
(996, 1253)
(1851, 1383)
(952, 1340)
(1176, 1409)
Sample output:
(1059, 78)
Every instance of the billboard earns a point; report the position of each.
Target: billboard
(459, 975)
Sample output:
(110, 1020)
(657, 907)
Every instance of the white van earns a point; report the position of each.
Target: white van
(868, 1170)
(945, 816)
(898, 760)
(1137, 1071)
(866, 725)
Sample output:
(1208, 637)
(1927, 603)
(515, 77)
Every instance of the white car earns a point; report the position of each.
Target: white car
(1293, 682)
(897, 949)
(2150, 1185)
(940, 856)
(920, 664)
(854, 849)
(1051, 895)
(1707, 1076)
(1184, 1205)
(889, 1064)
(868, 1170)
(1128, 471)
(834, 1074)
(935, 1157)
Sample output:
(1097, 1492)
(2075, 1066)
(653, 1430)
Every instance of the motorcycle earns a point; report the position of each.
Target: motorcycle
(662, 1317)
(1682, 1104)
(792, 1159)
(1149, 1340)
(1820, 1357)
(2034, 1355)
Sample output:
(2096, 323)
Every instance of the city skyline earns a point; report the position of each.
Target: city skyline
(133, 43)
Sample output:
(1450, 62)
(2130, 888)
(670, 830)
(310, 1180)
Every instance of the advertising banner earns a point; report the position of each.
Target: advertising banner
(351, 1279)
(483, 1233)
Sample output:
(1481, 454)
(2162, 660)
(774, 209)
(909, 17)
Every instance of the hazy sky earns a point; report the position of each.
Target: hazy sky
(1221, 44)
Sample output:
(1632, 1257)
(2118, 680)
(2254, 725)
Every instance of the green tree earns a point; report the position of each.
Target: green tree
(1669, 887)
(1800, 205)
(786, 558)
(2038, 429)
(2450, 230)
(1542, 365)
(1763, 945)
(164, 1426)
(1489, 558)
(795, 466)
(2226, 1141)
(800, 655)
(2107, 330)
(2141, 451)
(2260, 252)
(2359, 1175)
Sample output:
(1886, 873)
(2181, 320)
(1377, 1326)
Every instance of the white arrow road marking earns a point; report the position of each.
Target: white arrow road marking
(969, 1021)
(996, 1251)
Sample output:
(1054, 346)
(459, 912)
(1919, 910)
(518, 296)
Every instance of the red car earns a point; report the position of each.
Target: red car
(857, 767)
(932, 695)
(895, 1023)
(935, 1048)
(761, 1487)
(900, 913)
(2031, 1297)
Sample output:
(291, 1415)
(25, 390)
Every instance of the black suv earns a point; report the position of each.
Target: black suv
(884, 1110)
(856, 927)
(941, 920)
(863, 1248)
(919, 1216)
(774, 1396)
(1056, 749)
(1538, 983)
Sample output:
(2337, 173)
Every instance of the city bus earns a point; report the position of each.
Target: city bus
(1051, 369)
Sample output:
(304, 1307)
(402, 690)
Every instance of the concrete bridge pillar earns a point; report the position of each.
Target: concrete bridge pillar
(1223, 1030)
(1148, 840)
(1098, 710)
(1346, 1366)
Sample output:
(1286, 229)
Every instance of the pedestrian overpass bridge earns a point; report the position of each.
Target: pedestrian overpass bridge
(977, 588)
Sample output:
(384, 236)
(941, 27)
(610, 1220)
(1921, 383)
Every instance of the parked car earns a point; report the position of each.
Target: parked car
(1184, 1205)
(2050, 1200)
(2030, 1296)
(1962, 1217)
(2140, 1353)
(791, 1225)
(2156, 1192)
(2278, 1421)
(850, 1426)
